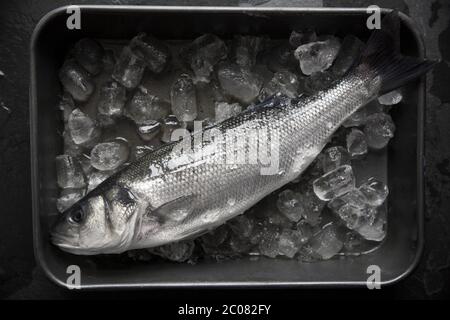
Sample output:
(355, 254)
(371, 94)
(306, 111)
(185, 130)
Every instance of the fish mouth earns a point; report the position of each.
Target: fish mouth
(65, 246)
(63, 241)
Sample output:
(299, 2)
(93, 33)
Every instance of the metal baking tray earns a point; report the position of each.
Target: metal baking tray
(396, 256)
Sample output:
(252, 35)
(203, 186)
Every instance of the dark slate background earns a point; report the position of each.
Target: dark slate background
(20, 278)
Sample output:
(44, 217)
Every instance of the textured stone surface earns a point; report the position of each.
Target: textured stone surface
(19, 275)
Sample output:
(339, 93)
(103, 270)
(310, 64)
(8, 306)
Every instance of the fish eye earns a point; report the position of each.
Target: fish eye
(76, 216)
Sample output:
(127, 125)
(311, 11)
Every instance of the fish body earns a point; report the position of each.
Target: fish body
(196, 184)
(190, 190)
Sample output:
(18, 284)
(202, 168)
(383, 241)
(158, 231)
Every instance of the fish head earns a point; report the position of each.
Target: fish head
(102, 222)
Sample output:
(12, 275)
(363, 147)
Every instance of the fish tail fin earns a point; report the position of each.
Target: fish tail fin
(382, 56)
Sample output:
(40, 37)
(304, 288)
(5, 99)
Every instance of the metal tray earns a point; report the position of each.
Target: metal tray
(396, 256)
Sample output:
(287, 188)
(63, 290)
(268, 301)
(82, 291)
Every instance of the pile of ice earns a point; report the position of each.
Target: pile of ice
(122, 101)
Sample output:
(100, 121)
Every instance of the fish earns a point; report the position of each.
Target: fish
(191, 186)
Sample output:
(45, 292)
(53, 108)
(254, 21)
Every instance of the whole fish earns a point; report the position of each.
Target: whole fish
(196, 184)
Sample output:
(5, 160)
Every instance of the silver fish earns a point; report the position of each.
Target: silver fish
(188, 187)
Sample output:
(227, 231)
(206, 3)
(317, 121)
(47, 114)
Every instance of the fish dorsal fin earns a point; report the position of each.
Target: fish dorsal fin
(275, 100)
(176, 210)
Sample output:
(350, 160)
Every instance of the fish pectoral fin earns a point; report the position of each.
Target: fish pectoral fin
(176, 210)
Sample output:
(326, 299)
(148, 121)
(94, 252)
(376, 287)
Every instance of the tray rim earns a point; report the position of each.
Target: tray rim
(221, 9)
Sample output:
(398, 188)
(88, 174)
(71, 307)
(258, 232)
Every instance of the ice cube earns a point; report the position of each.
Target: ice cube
(149, 131)
(85, 163)
(375, 191)
(97, 177)
(242, 226)
(319, 81)
(283, 82)
(258, 230)
(239, 83)
(356, 119)
(245, 49)
(208, 93)
(139, 151)
(268, 245)
(68, 197)
(105, 121)
(108, 156)
(226, 110)
(304, 231)
(70, 147)
(306, 254)
(203, 54)
(184, 99)
(66, 105)
(390, 98)
(317, 56)
(348, 53)
(82, 128)
(76, 81)
(89, 54)
(129, 68)
(313, 171)
(176, 251)
(374, 228)
(360, 117)
(288, 243)
(109, 60)
(273, 216)
(297, 38)
(352, 241)
(169, 125)
(379, 129)
(154, 52)
(140, 255)
(352, 208)
(144, 108)
(334, 157)
(290, 204)
(313, 207)
(280, 58)
(239, 244)
(112, 98)
(212, 240)
(334, 183)
(69, 173)
(356, 143)
(326, 243)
